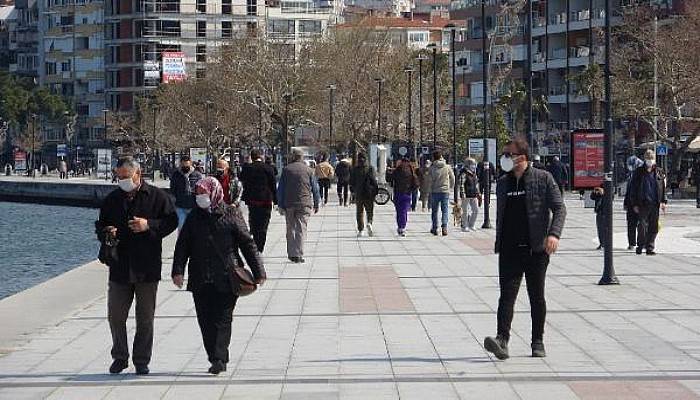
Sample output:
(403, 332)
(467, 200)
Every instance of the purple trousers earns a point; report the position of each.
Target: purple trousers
(402, 201)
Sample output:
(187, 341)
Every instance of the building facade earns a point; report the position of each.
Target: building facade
(24, 39)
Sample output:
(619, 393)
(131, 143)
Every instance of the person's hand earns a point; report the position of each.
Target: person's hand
(551, 244)
(138, 225)
(316, 210)
(178, 280)
(663, 207)
(260, 281)
(111, 232)
(636, 209)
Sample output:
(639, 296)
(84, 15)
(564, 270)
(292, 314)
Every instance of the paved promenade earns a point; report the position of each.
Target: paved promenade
(392, 318)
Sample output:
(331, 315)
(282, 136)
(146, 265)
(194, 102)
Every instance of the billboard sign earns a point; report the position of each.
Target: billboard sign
(588, 158)
(476, 149)
(174, 66)
(20, 160)
(104, 160)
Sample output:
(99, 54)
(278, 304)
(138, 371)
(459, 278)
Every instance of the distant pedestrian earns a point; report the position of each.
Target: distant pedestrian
(530, 216)
(424, 184)
(558, 171)
(632, 218)
(442, 183)
(363, 185)
(342, 173)
(182, 183)
(324, 173)
(62, 170)
(470, 194)
(598, 196)
(414, 192)
(537, 162)
(134, 219)
(259, 194)
(269, 161)
(647, 196)
(405, 183)
(297, 195)
(225, 177)
(209, 244)
(492, 176)
(696, 180)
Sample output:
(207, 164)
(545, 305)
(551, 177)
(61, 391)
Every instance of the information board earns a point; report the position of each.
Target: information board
(588, 158)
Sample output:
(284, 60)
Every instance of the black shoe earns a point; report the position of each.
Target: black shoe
(217, 367)
(630, 247)
(639, 250)
(600, 247)
(142, 370)
(498, 346)
(300, 260)
(538, 349)
(651, 253)
(434, 232)
(118, 366)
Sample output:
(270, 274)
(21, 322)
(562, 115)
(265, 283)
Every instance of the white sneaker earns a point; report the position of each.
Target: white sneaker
(360, 234)
(472, 229)
(464, 229)
(370, 232)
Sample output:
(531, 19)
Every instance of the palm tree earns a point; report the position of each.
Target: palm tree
(589, 82)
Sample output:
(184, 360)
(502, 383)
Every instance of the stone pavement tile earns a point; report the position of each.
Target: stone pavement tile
(364, 391)
(310, 392)
(204, 392)
(639, 390)
(544, 391)
(421, 390)
(486, 391)
(146, 392)
(268, 391)
(25, 393)
(79, 393)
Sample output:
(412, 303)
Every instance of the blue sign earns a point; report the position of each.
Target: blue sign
(662, 150)
(61, 150)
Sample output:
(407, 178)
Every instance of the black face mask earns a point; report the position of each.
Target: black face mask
(185, 169)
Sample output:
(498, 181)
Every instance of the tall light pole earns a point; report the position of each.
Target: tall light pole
(331, 91)
(453, 33)
(153, 148)
(608, 277)
(528, 71)
(104, 140)
(258, 103)
(435, 96)
(32, 165)
(485, 77)
(421, 57)
(287, 97)
(379, 81)
(409, 115)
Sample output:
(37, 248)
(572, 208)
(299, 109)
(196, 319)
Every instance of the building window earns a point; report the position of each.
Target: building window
(226, 29)
(200, 73)
(65, 66)
(417, 37)
(309, 26)
(202, 6)
(201, 29)
(226, 7)
(201, 53)
(251, 7)
(281, 26)
(50, 68)
(82, 43)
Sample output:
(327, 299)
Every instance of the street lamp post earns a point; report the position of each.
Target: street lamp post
(485, 77)
(435, 96)
(608, 277)
(331, 100)
(453, 32)
(104, 140)
(153, 148)
(409, 116)
(287, 97)
(379, 81)
(258, 102)
(421, 57)
(32, 165)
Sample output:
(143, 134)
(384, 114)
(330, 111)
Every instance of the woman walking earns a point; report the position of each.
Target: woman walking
(209, 242)
(405, 182)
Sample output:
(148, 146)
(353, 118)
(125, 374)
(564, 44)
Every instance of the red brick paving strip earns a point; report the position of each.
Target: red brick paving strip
(375, 288)
(636, 390)
(482, 246)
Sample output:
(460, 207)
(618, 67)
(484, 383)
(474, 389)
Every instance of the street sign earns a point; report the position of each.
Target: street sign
(476, 148)
(403, 150)
(61, 150)
(661, 150)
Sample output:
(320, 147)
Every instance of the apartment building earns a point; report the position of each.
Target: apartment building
(417, 34)
(8, 17)
(71, 59)
(24, 39)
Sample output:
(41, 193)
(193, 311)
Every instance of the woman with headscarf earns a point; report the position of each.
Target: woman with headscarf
(209, 243)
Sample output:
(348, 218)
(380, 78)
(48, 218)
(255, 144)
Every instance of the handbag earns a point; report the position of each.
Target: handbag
(240, 277)
(108, 254)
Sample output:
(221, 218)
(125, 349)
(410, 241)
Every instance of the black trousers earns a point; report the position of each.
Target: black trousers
(343, 189)
(600, 226)
(648, 226)
(362, 206)
(324, 184)
(632, 221)
(259, 220)
(512, 265)
(119, 299)
(214, 315)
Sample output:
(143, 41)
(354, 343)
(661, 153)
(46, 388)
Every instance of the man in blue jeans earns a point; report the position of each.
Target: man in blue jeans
(442, 182)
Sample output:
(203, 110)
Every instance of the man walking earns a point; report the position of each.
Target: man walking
(633, 163)
(324, 173)
(470, 194)
(647, 196)
(442, 182)
(228, 181)
(558, 171)
(342, 173)
(135, 218)
(696, 180)
(259, 190)
(363, 185)
(297, 193)
(182, 184)
(530, 216)
(405, 184)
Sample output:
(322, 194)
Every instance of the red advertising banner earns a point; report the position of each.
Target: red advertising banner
(588, 158)
(173, 66)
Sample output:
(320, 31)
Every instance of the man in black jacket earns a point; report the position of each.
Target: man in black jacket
(137, 216)
(530, 216)
(258, 179)
(182, 184)
(647, 195)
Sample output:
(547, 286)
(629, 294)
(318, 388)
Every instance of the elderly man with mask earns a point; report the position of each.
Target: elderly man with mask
(530, 216)
(633, 163)
(647, 195)
(135, 218)
(297, 194)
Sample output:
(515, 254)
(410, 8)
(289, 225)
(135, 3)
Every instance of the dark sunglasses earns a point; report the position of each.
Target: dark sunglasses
(508, 154)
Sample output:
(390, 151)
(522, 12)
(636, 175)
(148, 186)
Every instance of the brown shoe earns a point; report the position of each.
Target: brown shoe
(444, 231)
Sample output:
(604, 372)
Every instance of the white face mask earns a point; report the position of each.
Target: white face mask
(127, 185)
(203, 201)
(649, 163)
(506, 164)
